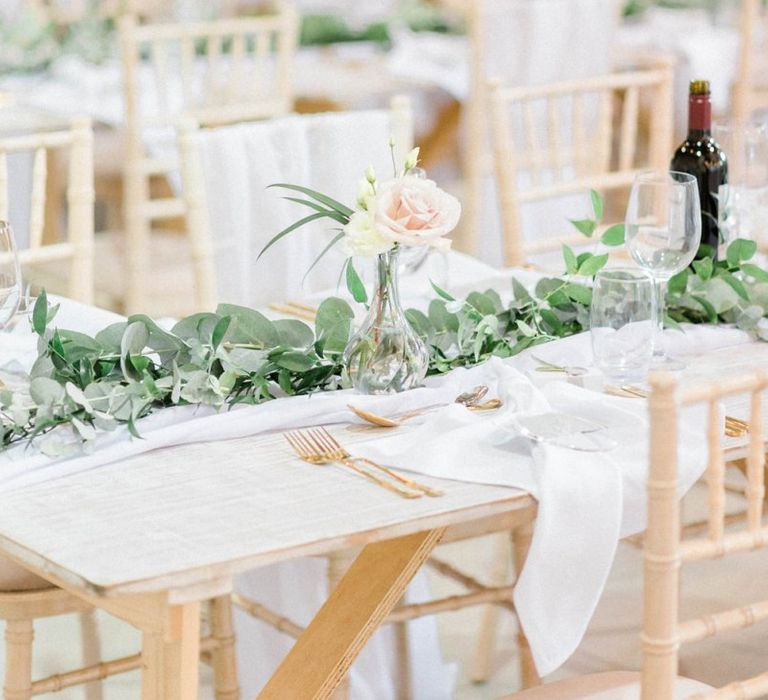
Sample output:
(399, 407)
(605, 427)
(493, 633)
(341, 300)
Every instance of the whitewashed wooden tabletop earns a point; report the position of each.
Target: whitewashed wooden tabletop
(182, 516)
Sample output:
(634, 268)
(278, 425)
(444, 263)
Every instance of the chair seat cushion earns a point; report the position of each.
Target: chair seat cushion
(16, 578)
(616, 685)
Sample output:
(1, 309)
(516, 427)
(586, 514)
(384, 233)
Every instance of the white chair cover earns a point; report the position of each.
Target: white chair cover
(527, 42)
(329, 153)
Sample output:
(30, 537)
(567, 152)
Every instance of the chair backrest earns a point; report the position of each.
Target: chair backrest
(750, 89)
(218, 72)
(77, 244)
(231, 215)
(551, 141)
(666, 549)
(522, 43)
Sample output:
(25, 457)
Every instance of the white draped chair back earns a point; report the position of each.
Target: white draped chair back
(218, 72)
(552, 143)
(232, 212)
(523, 43)
(666, 549)
(75, 246)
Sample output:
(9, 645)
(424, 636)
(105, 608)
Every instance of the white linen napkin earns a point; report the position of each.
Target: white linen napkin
(587, 500)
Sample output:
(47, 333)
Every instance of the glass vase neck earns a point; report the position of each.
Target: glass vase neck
(386, 277)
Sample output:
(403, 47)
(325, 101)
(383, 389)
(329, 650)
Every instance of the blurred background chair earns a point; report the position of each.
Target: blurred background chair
(46, 241)
(219, 72)
(551, 52)
(750, 90)
(552, 143)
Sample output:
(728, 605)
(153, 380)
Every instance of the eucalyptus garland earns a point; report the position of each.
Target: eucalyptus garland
(237, 355)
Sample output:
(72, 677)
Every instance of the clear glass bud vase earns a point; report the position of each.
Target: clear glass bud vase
(386, 355)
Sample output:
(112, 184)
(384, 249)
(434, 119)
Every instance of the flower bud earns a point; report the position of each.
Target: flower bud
(370, 175)
(364, 193)
(412, 159)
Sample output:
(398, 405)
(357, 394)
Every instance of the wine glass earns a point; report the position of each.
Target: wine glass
(10, 275)
(663, 232)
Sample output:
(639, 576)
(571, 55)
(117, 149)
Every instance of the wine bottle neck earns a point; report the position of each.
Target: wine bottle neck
(699, 116)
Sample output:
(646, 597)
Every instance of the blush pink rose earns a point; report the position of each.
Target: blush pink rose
(413, 211)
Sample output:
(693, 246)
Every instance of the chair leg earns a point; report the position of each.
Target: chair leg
(224, 661)
(91, 642)
(521, 543)
(18, 659)
(338, 563)
(485, 648)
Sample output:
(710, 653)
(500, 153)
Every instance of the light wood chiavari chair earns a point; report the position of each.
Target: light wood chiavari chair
(750, 89)
(77, 248)
(667, 548)
(226, 71)
(20, 608)
(486, 52)
(597, 147)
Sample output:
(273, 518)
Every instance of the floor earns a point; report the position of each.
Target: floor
(611, 641)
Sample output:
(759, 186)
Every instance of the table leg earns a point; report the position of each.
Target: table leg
(170, 657)
(374, 583)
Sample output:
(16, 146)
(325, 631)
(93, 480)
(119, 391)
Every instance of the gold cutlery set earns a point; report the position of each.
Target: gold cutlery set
(317, 446)
(734, 427)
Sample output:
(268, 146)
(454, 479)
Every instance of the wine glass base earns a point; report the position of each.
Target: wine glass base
(663, 363)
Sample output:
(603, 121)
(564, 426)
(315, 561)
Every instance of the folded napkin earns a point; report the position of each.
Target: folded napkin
(587, 500)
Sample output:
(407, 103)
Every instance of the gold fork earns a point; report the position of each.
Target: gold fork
(306, 444)
(336, 448)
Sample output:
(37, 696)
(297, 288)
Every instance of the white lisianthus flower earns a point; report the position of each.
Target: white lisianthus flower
(362, 236)
(413, 211)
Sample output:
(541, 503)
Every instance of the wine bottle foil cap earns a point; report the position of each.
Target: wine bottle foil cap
(699, 87)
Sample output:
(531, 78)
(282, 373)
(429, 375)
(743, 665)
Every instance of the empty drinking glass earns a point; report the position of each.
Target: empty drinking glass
(10, 275)
(622, 323)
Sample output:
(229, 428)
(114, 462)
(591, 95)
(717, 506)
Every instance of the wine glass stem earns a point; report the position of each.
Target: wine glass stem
(660, 297)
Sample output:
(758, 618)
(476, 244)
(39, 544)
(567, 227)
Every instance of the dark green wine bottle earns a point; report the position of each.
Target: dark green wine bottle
(700, 156)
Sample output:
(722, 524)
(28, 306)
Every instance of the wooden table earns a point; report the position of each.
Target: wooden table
(147, 539)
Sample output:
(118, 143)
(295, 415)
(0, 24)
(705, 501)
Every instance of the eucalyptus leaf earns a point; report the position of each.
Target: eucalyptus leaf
(739, 250)
(585, 226)
(613, 235)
